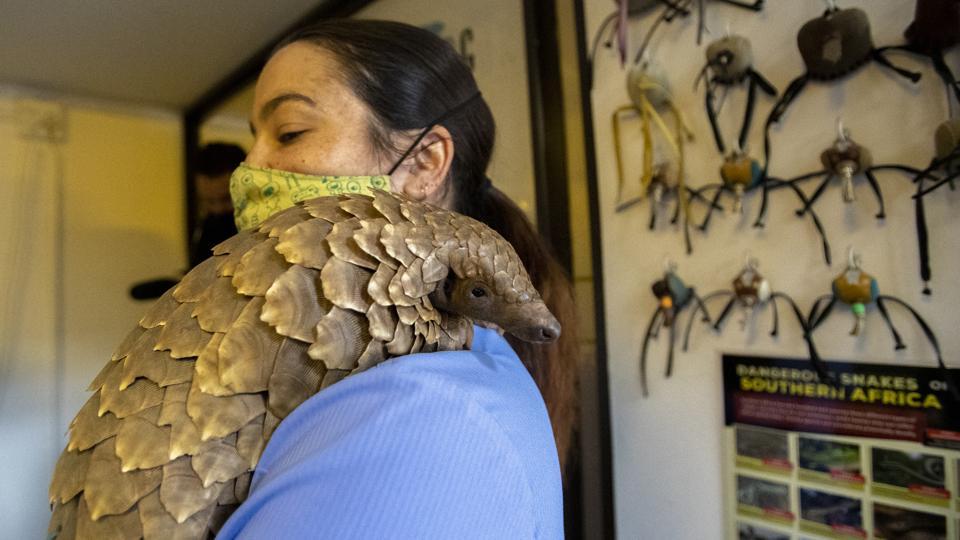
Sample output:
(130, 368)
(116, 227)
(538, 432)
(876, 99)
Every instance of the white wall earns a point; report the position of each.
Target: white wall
(667, 448)
(84, 216)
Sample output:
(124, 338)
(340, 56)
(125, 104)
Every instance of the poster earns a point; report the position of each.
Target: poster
(876, 455)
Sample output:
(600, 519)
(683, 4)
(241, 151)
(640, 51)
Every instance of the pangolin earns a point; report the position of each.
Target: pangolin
(166, 445)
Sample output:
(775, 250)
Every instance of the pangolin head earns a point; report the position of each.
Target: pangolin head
(487, 282)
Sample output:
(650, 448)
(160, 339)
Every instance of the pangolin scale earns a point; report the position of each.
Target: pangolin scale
(166, 445)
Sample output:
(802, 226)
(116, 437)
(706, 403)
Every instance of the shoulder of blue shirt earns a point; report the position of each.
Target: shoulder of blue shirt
(437, 444)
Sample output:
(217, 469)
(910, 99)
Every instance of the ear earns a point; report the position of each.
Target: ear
(422, 175)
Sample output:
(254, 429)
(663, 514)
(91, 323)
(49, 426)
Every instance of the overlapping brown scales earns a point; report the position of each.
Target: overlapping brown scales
(250, 441)
(142, 443)
(219, 306)
(158, 366)
(333, 376)
(408, 314)
(327, 208)
(295, 377)
(221, 416)
(418, 343)
(238, 247)
(457, 259)
(107, 490)
(241, 487)
(412, 281)
(402, 342)
(502, 281)
(413, 212)
(259, 268)
(184, 433)
(181, 335)
(345, 285)
(456, 333)
(440, 222)
(293, 305)
(276, 224)
(140, 395)
(69, 475)
(105, 372)
(251, 334)
(63, 522)
(379, 285)
(128, 341)
(304, 244)
(239, 242)
(420, 241)
(247, 351)
(395, 289)
(89, 428)
(367, 238)
(360, 207)
(388, 206)
(393, 238)
(158, 313)
(158, 524)
(227, 494)
(270, 423)
(372, 355)
(219, 517)
(426, 311)
(207, 371)
(218, 461)
(196, 281)
(341, 336)
(182, 493)
(382, 321)
(344, 247)
(486, 265)
(113, 527)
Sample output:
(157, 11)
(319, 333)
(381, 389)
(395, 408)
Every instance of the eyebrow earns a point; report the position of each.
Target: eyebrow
(274, 103)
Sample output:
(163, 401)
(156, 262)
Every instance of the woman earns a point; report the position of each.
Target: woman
(353, 97)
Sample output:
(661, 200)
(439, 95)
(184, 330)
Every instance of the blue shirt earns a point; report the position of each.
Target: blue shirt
(441, 445)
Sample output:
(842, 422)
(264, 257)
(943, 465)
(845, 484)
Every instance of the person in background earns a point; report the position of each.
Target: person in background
(461, 444)
(215, 221)
(215, 162)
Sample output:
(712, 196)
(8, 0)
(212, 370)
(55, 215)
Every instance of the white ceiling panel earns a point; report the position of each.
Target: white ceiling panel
(156, 52)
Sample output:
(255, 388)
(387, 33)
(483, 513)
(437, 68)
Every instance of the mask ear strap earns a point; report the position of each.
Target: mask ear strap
(448, 114)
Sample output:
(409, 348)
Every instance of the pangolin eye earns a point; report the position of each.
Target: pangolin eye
(478, 292)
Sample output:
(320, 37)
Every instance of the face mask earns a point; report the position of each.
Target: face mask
(259, 193)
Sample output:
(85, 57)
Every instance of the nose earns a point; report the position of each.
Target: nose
(544, 332)
(550, 331)
(257, 156)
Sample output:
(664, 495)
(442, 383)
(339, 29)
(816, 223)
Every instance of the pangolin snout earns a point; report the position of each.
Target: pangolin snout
(545, 332)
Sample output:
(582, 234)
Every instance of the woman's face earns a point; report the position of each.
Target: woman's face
(305, 118)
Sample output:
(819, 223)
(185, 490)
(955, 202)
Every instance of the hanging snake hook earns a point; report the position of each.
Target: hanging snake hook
(853, 259)
(669, 265)
(843, 134)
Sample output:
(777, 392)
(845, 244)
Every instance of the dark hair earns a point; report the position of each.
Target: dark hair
(217, 158)
(409, 77)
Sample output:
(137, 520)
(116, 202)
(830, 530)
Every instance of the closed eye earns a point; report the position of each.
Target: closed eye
(290, 136)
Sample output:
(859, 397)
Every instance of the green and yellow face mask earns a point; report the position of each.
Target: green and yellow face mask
(259, 193)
